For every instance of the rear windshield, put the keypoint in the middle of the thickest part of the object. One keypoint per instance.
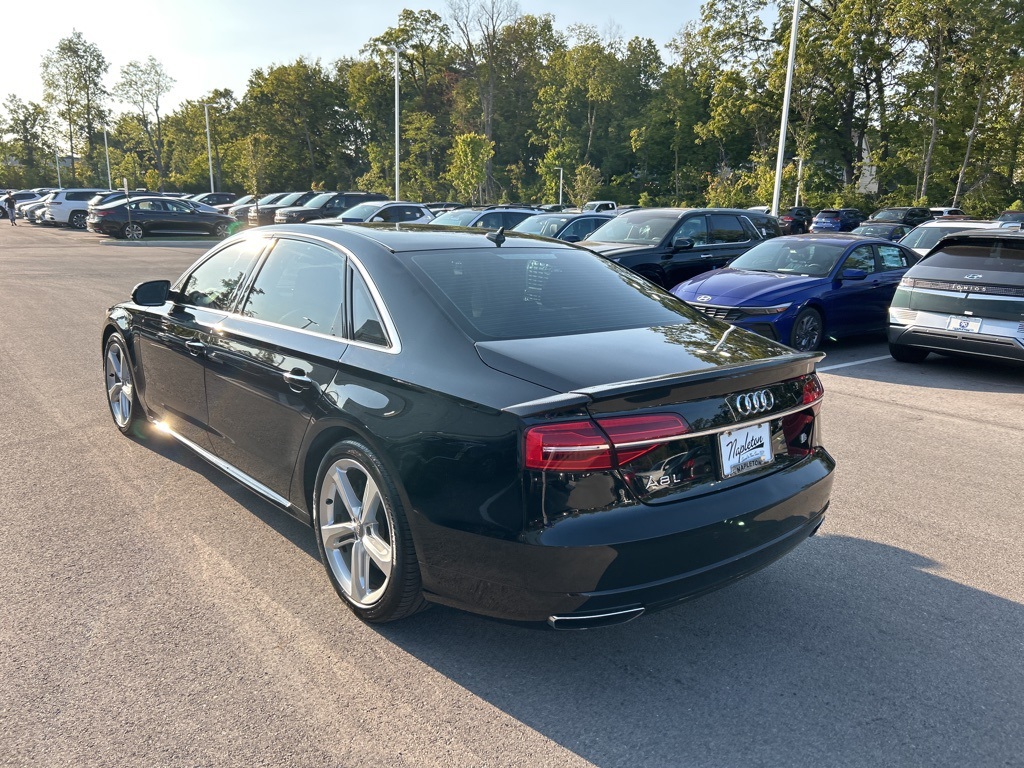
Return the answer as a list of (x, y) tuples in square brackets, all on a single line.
[(991, 256), (828, 214), (516, 294), (925, 238)]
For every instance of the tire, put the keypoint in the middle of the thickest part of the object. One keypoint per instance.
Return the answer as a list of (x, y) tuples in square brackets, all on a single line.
[(119, 383), (808, 331), (903, 354), (132, 231), (361, 528), (77, 220), (220, 230)]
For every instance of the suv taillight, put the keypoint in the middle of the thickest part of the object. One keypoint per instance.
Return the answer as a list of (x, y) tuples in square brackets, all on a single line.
[(604, 444)]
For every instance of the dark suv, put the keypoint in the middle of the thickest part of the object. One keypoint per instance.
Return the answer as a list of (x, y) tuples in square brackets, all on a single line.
[(324, 206), (264, 214), (796, 220), (669, 245), (909, 216), (966, 295), (837, 220)]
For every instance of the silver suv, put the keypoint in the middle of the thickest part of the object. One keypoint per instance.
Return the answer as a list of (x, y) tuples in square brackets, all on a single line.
[(491, 217)]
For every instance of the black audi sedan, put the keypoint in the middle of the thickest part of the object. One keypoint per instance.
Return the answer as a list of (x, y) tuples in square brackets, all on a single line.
[(143, 216), (506, 425)]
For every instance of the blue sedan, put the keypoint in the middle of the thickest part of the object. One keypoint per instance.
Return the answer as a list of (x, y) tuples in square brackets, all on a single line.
[(798, 289)]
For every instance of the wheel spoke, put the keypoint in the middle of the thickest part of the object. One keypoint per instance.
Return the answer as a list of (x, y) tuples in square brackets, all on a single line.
[(115, 392), (360, 570), (346, 493), (114, 363), (370, 503), (379, 552)]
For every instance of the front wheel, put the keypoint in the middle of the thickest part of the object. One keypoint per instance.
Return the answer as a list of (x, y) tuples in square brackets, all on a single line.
[(120, 384), (808, 330), (132, 231), (220, 230), (901, 353), (363, 535)]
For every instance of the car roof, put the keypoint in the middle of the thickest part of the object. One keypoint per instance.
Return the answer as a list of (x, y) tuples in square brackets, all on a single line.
[(999, 233), (957, 222), (399, 238), (835, 238)]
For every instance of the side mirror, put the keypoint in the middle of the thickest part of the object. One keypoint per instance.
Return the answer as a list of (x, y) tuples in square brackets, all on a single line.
[(377, 218), (153, 293), (853, 274), (682, 244)]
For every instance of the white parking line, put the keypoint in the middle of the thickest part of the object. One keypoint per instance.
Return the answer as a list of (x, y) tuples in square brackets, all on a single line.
[(855, 362)]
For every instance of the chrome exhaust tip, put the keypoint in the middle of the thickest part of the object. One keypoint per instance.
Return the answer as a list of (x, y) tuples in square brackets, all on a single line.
[(594, 620)]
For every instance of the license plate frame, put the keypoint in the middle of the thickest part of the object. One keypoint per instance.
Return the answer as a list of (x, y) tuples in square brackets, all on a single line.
[(745, 448), (963, 324)]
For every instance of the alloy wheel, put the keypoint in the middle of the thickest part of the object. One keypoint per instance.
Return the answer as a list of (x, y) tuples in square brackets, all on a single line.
[(807, 331), (133, 231), (119, 385), (356, 531)]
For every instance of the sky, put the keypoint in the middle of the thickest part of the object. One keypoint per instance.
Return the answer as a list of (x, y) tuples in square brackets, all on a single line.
[(208, 44)]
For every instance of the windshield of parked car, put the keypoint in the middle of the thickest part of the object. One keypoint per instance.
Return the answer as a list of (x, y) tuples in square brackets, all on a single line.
[(525, 293), (882, 230), (924, 238), (319, 200), (798, 257), (545, 225), (1011, 216), (995, 255), (458, 218), (640, 227), (289, 199), (362, 211), (268, 199), (889, 214)]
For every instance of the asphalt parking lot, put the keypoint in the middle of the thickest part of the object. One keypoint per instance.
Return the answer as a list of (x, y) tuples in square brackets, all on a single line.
[(155, 613)]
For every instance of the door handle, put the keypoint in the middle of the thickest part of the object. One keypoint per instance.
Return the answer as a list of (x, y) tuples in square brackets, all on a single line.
[(298, 380), (195, 348), (707, 255)]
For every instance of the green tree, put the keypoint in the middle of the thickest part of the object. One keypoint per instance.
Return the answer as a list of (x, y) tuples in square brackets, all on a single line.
[(142, 86), (467, 169)]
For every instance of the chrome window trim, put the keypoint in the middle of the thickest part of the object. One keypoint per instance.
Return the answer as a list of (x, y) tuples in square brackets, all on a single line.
[(395, 345)]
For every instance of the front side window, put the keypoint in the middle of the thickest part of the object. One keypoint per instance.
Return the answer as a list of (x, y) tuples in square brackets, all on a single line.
[(695, 228), (300, 285), (214, 283), (489, 221)]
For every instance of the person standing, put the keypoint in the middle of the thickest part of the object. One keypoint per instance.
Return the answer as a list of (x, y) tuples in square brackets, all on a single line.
[(11, 202)]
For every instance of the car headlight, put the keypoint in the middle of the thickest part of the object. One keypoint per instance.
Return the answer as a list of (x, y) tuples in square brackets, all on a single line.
[(778, 309)]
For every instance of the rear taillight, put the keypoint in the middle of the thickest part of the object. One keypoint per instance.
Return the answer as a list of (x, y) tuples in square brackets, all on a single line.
[(589, 446), (812, 389)]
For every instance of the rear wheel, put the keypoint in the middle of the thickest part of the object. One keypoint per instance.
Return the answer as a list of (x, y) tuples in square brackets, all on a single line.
[(904, 354), (220, 230), (363, 535), (77, 220), (132, 231), (808, 330)]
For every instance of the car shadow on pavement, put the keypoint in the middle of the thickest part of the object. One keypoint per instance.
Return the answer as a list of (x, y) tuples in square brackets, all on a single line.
[(847, 652), (960, 372)]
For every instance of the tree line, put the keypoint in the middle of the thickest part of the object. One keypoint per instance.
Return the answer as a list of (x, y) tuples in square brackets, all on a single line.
[(894, 102)]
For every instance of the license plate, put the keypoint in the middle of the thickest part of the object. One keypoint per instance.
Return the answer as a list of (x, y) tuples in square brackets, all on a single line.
[(745, 449), (964, 324)]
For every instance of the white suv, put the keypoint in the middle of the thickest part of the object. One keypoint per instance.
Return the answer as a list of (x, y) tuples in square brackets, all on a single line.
[(70, 206), (924, 236)]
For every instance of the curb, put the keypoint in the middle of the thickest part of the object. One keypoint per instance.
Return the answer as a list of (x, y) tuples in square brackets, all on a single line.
[(160, 243)]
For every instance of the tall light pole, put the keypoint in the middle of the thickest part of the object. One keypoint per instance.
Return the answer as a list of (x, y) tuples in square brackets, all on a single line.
[(106, 149), (397, 50), (559, 169), (209, 150), (785, 110)]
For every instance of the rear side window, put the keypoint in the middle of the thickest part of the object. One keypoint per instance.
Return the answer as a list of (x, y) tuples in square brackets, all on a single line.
[(510, 294), (301, 285), (366, 323), (991, 256), (727, 229), (892, 257)]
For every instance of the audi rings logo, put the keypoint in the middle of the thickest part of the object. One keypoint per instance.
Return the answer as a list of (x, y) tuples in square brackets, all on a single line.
[(750, 403)]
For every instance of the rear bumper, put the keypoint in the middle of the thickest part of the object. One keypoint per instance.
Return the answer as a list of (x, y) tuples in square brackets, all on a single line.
[(1001, 339), (703, 544)]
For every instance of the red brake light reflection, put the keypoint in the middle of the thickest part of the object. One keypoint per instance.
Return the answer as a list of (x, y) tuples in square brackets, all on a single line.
[(586, 446), (813, 390)]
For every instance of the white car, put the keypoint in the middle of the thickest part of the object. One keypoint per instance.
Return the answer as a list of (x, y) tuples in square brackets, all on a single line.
[(923, 237), (70, 206), (383, 210)]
